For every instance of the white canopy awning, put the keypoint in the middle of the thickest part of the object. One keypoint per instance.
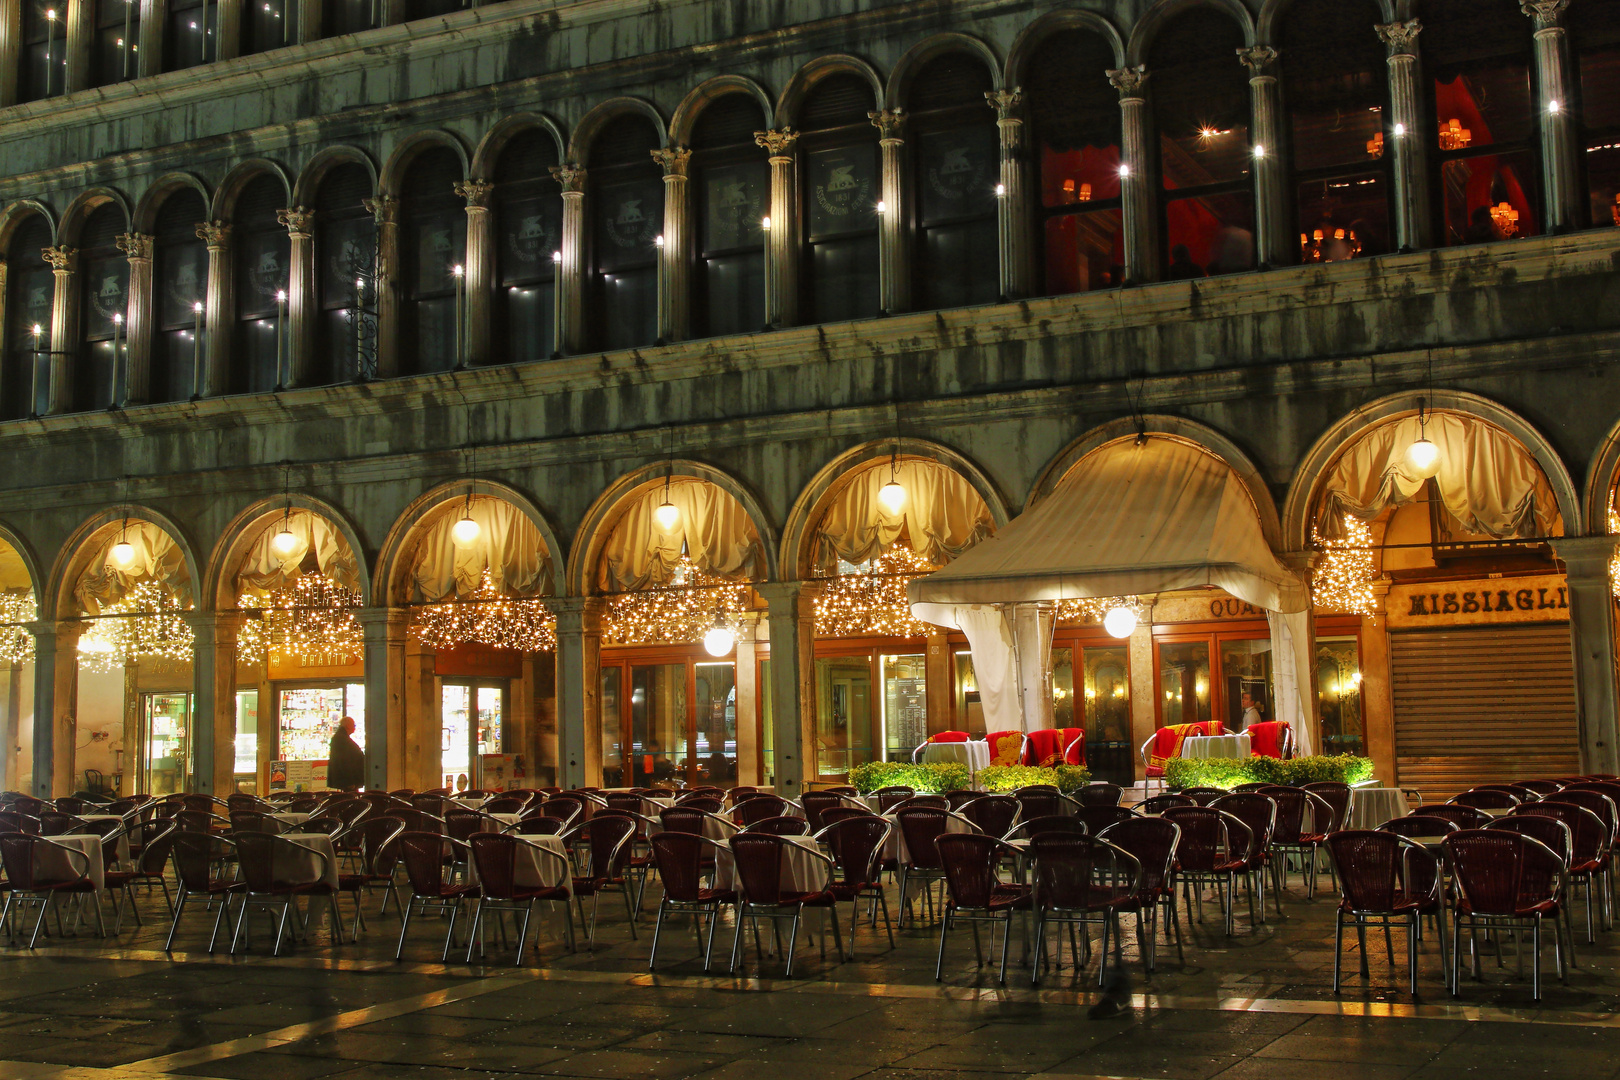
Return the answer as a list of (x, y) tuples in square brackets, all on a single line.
[(1128, 519)]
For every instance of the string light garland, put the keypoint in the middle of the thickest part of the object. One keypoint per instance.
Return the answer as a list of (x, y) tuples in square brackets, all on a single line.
[(1614, 563), (487, 618), (312, 621), (1342, 579), (872, 602), (16, 610), (1095, 609), (681, 612), (145, 624)]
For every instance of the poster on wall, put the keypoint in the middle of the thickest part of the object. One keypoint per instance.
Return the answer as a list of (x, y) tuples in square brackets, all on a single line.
[(502, 772), (298, 776)]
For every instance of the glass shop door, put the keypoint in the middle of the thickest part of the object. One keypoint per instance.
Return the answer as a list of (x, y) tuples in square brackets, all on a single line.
[(472, 716), (165, 743)]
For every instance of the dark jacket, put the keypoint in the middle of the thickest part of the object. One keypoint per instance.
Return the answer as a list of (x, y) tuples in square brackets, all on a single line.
[(345, 763)]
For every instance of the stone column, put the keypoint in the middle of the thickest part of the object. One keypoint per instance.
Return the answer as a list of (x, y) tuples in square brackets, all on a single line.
[(570, 276), (213, 709), (386, 737), (81, 37), (579, 689), (782, 241), (894, 245), (1377, 689), (1139, 217), (747, 687), (1591, 631), (1272, 234), (479, 279), (792, 614), (1015, 212), (674, 258), (1560, 162), (56, 670), (385, 210), (64, 324), (1407, 136), (228, 30), (219, 305), (154, 18), (137, 247), (10, 50), (303, 301)]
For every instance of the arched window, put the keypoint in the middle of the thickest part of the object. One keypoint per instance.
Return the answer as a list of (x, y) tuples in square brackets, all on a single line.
[(103, 305), (955, 163), (266, 25), (1200, 96), (528, 232), (193, 34), (842, 183), (262, 259), (118, 35), (432, 242), (30, 290), (627, 207), (1487, 176), (180, 281), (1074, 112), (44, 52), (1594, 29), (345, 257), (1335, 82), (731, 180), (349, 16)]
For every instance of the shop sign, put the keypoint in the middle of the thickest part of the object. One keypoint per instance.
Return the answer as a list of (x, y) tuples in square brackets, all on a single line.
[(1212, 605), (328, 666), (502, 772), (1543, 598), (298, 776), (479, 662)]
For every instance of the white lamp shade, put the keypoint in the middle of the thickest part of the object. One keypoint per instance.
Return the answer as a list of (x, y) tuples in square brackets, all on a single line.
[(1120, 622), (122, 553), (465, 531), (719, 640), (284, 542), (892, 497), (667, 516), (1423, 459)]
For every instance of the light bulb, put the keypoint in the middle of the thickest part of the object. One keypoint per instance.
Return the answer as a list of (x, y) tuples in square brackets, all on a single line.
[(892, 497), (1423, 458), (719, 640), (556, 256), (284, 542), (1124, 170), (882, 207), (1554, 107), (1001, 190), (668, 515), (1120, 622), (465, 531), (765, 223), (123, 553), (1400, 129)]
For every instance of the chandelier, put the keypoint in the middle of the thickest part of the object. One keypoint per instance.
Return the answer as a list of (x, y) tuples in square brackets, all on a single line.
[(487, 617), (311, 620), (681, 612), (146, 623), (1320, 245), (1505, 220), (1453, 136), (872, 602), (17, 609), (1342, 579)]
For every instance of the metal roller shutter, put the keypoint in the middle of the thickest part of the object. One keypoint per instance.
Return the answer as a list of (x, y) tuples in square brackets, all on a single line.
[(1476, 706)]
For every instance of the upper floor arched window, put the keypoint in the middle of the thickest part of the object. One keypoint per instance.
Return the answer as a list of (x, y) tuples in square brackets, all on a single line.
[(345, 259), (1200, 95), (731, 183), (44, 51), (266, 25), (103, 306), (116, 49), (1594, 30), (262, 259), (626, 202), (955, 165), (841, 187), (1074, 114), (1486, 179), (432, 244), (1335, 84), (30, 292), (180, 280), (528, 233), (193, 34)]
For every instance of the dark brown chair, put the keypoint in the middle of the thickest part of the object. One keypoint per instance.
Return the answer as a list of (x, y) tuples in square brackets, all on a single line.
[(66, 873), (264, 888), (1158, 804), (920, 826), (975, 892), (1384, 878), (255, 821), (378, 860), (1590, 853), (757, 858), (195, 855), (761, 806), (1213, 850), (1259, 813), (856, 842), (1099, 794), (681, 858), (1152, 843), (1080, 880), (814, 803), (495, 856), (1098, 818), (609, 837), (1466, 817), (423, 854), (992, 814), (1505, 880), (1486, 798), (150, 843)]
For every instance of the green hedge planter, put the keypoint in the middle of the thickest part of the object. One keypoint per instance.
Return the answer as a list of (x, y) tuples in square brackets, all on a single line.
[(1066, 778), (934, 779), (1228, 773)]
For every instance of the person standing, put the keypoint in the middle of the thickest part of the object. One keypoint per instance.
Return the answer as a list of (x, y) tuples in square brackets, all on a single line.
[(345, 761), (1251, 711)]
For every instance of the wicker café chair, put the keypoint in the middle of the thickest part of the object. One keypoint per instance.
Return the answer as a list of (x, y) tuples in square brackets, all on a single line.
[(1259, 813), (891, 797), (1589, 855), (760, 806), (423, 854), (495, 856), (609, 838), (27, 884), (1505, 880), (1213, 850), (1486, 798), (992, 815), (758, 858), (1100, 794), (1152, 842), (955, 800), (1098, 818), (975, 892), (255, 853), (1158, 804), (1042, 801), (682, 859), (1337, 795), (1081, 880), (1466, 817), (814, 803), (1384, 878), (920, 826), (1042, 826), (195, 855), (856, 842)]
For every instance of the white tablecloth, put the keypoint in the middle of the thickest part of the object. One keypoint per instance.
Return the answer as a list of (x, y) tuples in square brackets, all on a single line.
[(895, 848), (288, 817), (784, 810), (652, 804), (1216, 746), (498, 822), (300, 863), (1370, 807), (975, 753), (52, 864), (534, 869), (716, 827), (123, 838), (801, 871)]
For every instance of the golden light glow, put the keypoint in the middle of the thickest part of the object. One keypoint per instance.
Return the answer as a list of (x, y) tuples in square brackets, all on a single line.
[(16, 643), (487, 618), (284, 543), (682, 612), (146, 623), (122, 553), (872, 602), (1095, 609), (1343, 576), (1614, 563), (465, 531), (668, 515), (311, 620)]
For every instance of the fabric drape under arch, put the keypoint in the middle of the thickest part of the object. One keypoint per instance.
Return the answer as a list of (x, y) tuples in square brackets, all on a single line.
[(508, 545), (943, 516), (1489, 484), (157, 558), (714, 528), (265, 570)]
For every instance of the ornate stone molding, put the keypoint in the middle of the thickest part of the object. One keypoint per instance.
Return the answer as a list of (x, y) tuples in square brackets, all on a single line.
[(891, 124), (1006, 103), (384, 209), (213, 233), (777, 142), (1545, 12), (571, 176), (1400, 36), (1128, 80), (476, 192), (1257, 59), (135, 246), (61, 259), (673, 159), (299, 221)]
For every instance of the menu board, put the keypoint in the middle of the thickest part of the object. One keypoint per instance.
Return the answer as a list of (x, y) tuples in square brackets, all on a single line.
[(298, 775), (908, 712), (502, 772)]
